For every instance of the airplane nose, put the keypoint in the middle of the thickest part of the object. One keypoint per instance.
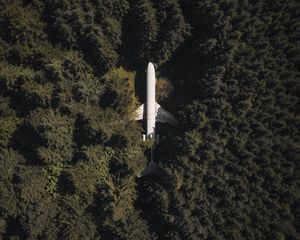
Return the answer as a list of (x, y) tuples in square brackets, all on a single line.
[(150, 65)]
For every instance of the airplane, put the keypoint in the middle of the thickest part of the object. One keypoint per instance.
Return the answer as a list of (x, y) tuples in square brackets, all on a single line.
[(151, 112)]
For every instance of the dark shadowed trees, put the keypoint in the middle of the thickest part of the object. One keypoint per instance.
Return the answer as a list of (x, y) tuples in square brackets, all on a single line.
[(70, 152)]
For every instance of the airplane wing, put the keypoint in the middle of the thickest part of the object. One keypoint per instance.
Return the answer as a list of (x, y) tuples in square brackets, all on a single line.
[(139, 113), (163, 116)]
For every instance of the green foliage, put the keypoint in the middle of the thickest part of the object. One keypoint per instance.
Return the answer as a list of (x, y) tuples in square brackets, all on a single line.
[(226, 169), (127, 75), (92, 27), (117, 94), (159, 30), (172, 31), (52, 173), (20, 24), (144, 35), (7, 127), (70, 152)]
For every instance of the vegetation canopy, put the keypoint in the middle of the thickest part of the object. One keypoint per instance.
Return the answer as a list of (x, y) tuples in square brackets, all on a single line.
[(70, 153)]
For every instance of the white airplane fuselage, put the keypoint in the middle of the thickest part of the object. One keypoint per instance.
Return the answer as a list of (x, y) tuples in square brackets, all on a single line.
[(150, 102), (151, 112)]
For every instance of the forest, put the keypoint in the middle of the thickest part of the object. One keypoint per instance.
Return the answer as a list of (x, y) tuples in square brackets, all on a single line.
[(71, 74)]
